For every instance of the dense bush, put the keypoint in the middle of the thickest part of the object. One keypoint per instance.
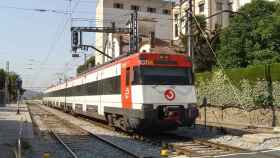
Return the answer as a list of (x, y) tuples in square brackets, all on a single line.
[(242, 88), (251, 73), (84, 67)]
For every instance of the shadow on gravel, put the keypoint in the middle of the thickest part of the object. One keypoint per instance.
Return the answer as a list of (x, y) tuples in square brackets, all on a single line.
[(9, 134), (13, 110), (199, 131)]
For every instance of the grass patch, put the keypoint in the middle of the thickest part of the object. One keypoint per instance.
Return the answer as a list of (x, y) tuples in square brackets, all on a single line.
[(252, 74)]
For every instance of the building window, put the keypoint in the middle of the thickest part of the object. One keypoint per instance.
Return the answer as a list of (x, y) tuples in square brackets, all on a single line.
[(176, 17), (230, 6), (219, 6), (176, 30), (118, 5), (135, 7), (166, 12), (151, 10), (201, 7), (220, 20)]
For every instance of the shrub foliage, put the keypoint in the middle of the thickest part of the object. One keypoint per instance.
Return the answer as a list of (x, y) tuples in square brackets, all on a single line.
[(244, 93)]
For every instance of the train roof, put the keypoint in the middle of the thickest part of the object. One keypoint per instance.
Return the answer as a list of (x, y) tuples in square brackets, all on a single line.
[(115, 61)]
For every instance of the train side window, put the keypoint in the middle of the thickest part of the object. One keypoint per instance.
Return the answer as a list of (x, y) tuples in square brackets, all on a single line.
[(127, 76)]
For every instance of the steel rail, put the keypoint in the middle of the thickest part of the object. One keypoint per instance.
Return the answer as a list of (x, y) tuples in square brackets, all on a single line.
[(190, 148), (73, 154), (116, 146), (99, 138), (220, 146)]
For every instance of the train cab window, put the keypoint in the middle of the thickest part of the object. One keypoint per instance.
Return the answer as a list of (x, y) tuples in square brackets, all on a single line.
[(162, 76), (136, 76)]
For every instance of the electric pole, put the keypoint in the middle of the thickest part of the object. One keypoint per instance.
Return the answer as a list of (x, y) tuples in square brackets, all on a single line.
[(189, 30), (133, 43), (65, 92), (7, 83), (85, 58)]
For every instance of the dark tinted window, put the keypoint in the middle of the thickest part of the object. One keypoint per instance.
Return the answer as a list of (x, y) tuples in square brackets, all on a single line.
[(107, 86), (151, 10), (135, 7), (201, 7), (166, 11), (163, 76), (118, 5)]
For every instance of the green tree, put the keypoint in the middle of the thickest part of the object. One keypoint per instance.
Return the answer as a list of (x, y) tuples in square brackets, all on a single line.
[(12, 86), (252, 37), (2, 78), (203, 58), (84, 67)]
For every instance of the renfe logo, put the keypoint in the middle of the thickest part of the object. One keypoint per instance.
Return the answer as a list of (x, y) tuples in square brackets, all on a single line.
[(169, 94)]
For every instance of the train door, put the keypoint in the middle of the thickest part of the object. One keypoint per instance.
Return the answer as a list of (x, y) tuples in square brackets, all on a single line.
[(100, 93), (126, 86)]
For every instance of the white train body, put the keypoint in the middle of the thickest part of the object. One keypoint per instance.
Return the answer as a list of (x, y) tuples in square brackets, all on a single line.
[(131, 93)]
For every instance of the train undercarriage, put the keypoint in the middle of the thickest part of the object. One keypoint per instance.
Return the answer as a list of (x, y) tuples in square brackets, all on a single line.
[(148, 120)]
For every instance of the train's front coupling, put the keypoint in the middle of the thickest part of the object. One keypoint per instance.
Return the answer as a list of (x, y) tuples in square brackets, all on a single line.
[(178, 114)]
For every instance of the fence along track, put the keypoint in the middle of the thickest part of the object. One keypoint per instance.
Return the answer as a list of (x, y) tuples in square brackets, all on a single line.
[(75, 143)]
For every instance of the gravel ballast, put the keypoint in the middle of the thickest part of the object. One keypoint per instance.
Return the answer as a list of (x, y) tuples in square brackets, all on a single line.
[(138, 147), (248, 141)]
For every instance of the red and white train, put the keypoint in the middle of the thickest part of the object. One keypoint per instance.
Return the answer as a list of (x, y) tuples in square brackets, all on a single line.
[(140, 92)]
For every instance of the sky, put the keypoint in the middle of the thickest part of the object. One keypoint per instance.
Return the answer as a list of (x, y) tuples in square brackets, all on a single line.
[(36, 43)]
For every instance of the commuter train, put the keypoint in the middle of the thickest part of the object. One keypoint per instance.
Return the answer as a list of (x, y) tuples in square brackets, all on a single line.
[(138, 93)]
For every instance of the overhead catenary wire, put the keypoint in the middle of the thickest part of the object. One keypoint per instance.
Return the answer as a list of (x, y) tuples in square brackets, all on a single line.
[(114, 19), (53, 44), (42, 10), (215, 55)]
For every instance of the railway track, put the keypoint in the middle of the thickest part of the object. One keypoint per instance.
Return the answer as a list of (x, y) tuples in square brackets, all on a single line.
[(178, 145), (194, 147), (76, 141), (181, 145)]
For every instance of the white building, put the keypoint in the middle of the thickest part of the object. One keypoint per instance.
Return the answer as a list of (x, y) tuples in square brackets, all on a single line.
[(154, 18), (206, 8), (201, 7), (239, 3)]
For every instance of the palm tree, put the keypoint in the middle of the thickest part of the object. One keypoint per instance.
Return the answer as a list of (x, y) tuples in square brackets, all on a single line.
[(203, 59)]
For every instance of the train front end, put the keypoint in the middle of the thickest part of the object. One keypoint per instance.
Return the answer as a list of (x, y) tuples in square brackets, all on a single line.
[(162, 88)]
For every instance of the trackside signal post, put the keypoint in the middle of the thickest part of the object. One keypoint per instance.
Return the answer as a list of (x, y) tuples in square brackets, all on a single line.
[(19, 89), (77, 35)]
